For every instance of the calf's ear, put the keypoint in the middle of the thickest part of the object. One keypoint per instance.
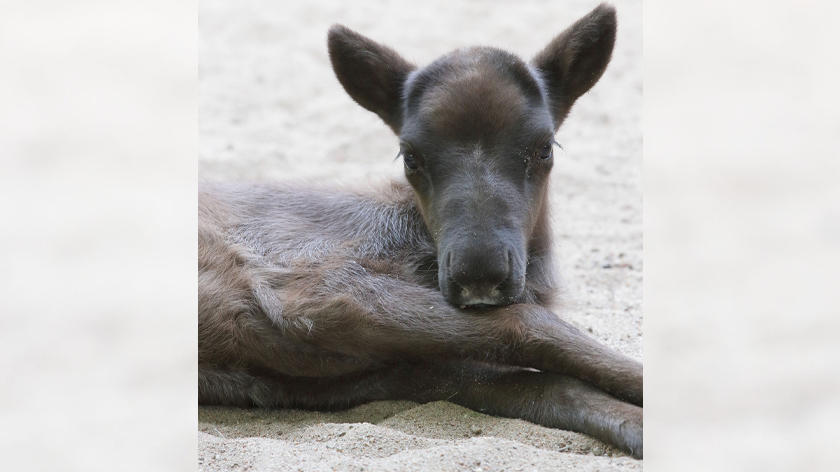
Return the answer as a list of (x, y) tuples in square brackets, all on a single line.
[(371, 73), (574, 60)]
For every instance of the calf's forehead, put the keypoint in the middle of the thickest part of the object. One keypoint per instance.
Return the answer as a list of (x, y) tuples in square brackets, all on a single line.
[(477, 94)]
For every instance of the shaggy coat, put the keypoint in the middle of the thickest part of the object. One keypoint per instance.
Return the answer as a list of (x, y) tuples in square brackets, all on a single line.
[(435, 288)]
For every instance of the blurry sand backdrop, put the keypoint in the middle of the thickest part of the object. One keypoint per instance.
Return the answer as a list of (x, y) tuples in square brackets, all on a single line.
[(270, 108)]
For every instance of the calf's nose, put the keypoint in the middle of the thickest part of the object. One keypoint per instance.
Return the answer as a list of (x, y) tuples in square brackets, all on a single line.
[(479, 271)]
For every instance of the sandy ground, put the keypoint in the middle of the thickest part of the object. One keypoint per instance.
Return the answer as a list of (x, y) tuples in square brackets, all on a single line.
[(270, 108)]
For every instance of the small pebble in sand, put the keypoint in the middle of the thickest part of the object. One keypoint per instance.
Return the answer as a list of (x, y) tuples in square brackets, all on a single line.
[(475, 429)]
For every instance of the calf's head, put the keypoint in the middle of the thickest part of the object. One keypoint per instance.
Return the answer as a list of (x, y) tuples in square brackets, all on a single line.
[(476, 130)]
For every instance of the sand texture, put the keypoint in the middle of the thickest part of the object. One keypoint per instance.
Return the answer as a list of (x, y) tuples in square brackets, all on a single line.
[(270, 108)]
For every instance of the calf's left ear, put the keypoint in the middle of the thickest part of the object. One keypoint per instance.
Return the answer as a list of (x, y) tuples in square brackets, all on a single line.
[(574, 60)]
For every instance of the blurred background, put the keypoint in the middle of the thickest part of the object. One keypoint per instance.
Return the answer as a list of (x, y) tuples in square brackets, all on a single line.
[(97, 236), (742, 235), (98, 105)]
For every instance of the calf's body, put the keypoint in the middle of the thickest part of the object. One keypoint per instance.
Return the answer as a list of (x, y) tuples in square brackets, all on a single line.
[(437, 288)]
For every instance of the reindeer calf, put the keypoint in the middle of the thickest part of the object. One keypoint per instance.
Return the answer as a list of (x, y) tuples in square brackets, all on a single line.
[(431, 289)]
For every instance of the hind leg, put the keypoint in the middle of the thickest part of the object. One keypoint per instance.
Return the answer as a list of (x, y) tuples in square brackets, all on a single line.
[(544, 398), (547, 399), (244, 388)]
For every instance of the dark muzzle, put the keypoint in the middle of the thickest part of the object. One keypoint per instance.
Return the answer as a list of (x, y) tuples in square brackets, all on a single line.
[(476, 273)]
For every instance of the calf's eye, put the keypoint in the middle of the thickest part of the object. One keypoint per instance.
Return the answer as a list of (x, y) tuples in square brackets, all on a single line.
[(409, 161), (545, 152)]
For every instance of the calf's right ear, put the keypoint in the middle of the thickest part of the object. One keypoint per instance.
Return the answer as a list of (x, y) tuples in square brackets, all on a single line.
[(371, 73), (574, 61)]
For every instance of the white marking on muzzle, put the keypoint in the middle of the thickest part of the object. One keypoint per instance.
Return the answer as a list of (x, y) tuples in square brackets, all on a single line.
[(488, 299)]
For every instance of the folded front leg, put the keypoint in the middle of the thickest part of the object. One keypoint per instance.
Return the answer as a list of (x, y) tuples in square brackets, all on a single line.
[(372, 318)]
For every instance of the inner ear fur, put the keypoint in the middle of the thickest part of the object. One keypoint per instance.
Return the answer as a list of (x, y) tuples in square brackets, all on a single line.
[(576, 58), (371, 73)]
